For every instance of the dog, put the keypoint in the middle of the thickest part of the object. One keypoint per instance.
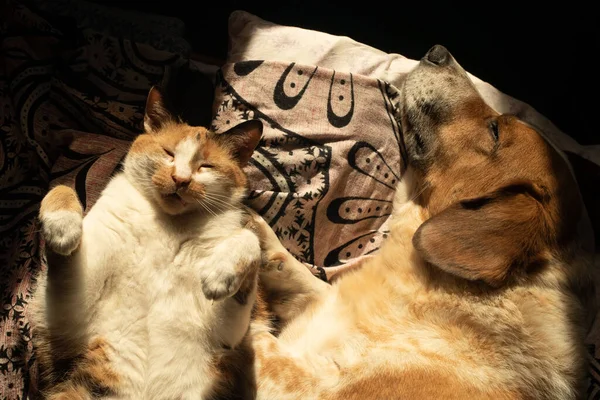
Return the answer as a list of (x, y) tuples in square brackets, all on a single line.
[(482, 290)]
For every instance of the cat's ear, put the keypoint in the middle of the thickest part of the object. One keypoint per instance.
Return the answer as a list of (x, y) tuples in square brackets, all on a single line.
[(157, 114), (243, 139)]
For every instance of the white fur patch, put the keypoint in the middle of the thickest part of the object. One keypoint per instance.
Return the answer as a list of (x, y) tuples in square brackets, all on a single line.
[(62, 230), (184, 154), (219, 273)]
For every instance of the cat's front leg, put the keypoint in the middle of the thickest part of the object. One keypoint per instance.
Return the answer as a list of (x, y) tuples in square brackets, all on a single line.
[(232, 262), (61, 216)]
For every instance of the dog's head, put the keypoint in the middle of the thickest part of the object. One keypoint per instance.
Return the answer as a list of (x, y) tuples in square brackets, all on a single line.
[(499, 199)]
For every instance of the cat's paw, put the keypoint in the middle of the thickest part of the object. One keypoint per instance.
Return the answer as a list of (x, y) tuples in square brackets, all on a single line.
[(220, 280), (62, 231), (61, 217), (231, 262)]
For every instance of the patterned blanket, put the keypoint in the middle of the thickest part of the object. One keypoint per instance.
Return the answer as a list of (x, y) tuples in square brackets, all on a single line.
[(73, 81)]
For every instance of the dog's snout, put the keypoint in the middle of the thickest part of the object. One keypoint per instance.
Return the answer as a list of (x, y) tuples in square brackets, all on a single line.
[(438, 55)]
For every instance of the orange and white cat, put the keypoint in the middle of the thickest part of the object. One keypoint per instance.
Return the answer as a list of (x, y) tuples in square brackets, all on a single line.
[(145, 295)]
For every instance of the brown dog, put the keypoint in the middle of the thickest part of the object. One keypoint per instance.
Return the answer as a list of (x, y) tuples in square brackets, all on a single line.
[(481, 290)]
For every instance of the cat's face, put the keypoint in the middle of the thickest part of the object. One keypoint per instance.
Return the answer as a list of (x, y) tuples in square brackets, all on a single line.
[(184, 168)]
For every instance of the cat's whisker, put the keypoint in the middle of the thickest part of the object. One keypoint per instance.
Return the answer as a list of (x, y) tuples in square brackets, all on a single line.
[(215, 206), (420, 192), (206, 208), (219, 196), (226, 204), (219, 209), (217, 202), (223, 195)]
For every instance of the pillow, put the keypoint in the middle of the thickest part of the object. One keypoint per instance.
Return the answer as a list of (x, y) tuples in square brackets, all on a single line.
[(252, 38), (326, 169)]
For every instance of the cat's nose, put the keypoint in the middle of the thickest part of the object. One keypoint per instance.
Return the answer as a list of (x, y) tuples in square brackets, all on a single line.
[(181, 180)]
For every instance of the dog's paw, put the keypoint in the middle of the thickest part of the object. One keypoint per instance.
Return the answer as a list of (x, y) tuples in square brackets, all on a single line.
[(62, 231), (220, 279)]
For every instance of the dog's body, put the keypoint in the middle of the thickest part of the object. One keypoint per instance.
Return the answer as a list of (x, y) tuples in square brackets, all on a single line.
[(480, 290)]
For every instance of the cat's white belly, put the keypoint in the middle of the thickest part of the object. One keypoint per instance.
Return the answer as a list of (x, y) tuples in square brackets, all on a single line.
[(152, 312), (157, 327)]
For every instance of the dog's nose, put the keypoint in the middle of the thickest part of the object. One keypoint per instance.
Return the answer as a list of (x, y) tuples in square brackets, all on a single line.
[(438, 55)]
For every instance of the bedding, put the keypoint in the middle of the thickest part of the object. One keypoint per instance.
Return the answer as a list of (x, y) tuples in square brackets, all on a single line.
[(73, 81)]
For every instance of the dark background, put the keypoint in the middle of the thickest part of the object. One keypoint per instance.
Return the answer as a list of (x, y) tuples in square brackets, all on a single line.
[(545, 55)]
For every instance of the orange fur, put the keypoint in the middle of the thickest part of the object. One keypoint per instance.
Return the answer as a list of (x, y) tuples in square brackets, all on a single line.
[(415, 383), (92, 375), (60, 198)]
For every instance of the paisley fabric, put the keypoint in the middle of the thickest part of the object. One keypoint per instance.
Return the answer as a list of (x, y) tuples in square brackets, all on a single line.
[(325, 173)]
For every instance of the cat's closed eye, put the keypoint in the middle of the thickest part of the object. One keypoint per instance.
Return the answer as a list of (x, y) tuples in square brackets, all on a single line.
[(205, 166), (169, 153)]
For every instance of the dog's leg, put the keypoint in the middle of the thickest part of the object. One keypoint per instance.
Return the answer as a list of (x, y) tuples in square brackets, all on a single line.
[(289, 286)]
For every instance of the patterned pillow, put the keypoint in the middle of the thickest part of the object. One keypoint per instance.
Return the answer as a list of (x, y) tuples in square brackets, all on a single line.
[(325, 173)]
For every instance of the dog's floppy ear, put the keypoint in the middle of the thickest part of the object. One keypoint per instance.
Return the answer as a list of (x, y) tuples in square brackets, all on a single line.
[(485, 238)]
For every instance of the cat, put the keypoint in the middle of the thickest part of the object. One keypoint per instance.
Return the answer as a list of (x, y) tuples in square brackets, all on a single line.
[(145, 296)]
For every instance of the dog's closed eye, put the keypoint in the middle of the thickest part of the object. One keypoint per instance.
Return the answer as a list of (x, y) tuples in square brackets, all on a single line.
[(494, 130)]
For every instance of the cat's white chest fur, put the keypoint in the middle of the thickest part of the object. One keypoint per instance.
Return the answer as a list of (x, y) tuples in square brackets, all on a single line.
[(143, 278)]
